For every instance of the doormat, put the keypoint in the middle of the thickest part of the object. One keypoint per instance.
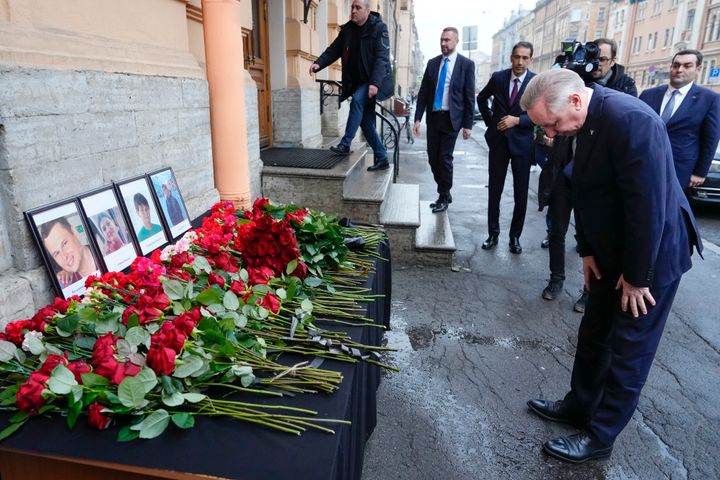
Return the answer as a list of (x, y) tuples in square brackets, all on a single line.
[(300, 158)]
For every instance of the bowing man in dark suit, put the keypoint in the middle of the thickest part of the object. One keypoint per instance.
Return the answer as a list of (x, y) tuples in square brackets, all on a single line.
[(509, 135), (447, 95), (692, 118), (635, 235)]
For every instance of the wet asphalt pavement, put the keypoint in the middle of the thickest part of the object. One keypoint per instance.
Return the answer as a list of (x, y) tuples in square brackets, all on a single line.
[(475, 344)]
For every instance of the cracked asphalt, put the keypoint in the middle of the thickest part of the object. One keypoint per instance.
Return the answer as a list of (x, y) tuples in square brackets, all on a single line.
[(475, 344)]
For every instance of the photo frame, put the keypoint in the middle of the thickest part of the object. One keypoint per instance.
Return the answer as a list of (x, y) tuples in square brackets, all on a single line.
[(168, 197), (61, 233), (109, 228), (147, 225)]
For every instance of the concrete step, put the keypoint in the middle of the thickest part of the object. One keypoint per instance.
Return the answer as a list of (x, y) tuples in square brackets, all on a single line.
[(364, 192), (319, 189), (434, 242), (400, 215)]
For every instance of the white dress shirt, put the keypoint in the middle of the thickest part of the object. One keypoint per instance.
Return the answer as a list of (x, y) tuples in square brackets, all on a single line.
[(682, 93), (512, 83), (446, 88)]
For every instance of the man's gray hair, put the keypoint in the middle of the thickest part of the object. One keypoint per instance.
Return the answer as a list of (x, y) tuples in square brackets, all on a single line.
[(554, 87)]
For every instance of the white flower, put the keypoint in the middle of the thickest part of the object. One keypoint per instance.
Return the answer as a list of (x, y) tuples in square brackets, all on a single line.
[(167, 252), (33, 343)]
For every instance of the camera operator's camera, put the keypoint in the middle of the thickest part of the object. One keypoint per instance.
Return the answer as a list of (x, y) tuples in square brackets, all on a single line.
[(580, 58)]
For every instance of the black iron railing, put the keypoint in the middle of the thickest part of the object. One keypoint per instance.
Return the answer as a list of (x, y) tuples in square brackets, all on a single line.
[(389, 123)]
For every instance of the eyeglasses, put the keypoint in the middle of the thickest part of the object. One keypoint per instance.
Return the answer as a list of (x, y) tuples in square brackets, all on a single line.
[(604, 59)]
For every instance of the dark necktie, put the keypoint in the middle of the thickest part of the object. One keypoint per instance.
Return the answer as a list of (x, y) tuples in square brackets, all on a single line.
[(513, 94), (667, 113), (440, 89)]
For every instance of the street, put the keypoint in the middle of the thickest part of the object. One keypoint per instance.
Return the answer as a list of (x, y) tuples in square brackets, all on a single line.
[(477, 341)]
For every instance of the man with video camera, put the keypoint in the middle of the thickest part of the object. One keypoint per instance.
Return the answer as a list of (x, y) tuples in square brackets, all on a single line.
[(609, 73)]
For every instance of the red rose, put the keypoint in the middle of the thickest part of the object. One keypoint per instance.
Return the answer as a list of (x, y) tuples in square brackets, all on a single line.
[(96, 418), (300, 271), (78, 368), (122, 370), (161, 359), (215, 279), (187, 321), (104, 347), (259, 275), (29, 396), (51, 362), (106, 367), (238, 287), (271, 302), (170, 337)]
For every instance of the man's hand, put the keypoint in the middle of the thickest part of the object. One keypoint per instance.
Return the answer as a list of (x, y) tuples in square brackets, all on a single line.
[(507, 122), (416, 128), (634, 297), (372, 91), (467, 132), (590, 268), (314, 68), (696, 181)]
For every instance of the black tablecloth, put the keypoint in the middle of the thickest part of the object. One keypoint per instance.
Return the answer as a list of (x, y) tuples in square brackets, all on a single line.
[(238, 450)]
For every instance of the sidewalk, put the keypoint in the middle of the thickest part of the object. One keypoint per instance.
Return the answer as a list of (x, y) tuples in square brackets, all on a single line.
[(475, 344)]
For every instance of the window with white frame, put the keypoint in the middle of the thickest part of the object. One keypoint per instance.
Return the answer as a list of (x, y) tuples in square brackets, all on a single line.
[(667, 38)]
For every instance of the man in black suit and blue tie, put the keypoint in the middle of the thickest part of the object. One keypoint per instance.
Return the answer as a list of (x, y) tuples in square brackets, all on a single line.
[(509, 135), (446, 94), (692, 116), (635, 235)]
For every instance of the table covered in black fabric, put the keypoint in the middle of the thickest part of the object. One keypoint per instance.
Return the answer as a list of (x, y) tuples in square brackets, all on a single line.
[(231, 449)]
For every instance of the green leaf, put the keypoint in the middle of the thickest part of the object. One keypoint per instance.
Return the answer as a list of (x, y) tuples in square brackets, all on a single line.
[(7, 351), (244, 275), (312, 282), (201, 264), (311, 249), (281, 293), (86, 343), (148, 378), (178, 308), (61, 380), (247, 380), (261, 288), (174, 289), (138, 336), (73, 412), (167, 385), (291, 266), (183, 420), (210, 296), (190, 365), (131, 392), (87, 314), (153, 425), (133, 321), (69, 323), (35, 344), (76, 392), (306, 305), (193, 397), (12, 428), (126, 434), (106, 325), (94, 380), (19, 417), (173, 400), (230, 300)]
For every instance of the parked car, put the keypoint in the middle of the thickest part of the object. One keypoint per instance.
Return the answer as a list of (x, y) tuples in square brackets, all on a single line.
[(709, 191)]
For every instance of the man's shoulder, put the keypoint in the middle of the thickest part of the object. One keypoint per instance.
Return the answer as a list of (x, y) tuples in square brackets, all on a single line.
[(704, 91), (653, 90)]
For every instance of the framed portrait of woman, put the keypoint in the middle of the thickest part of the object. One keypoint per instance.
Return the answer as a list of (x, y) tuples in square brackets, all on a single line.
[(172, 206), (62, 236), (108, 228), (140, 208)]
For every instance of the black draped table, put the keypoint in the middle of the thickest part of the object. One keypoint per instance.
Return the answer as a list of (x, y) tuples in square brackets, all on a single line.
[(44, 449)]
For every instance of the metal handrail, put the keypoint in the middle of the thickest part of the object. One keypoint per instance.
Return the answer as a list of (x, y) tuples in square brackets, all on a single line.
[(329, 88)]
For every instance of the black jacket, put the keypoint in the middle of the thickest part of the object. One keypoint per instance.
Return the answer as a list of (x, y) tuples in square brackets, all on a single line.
[(374, 56), (621, 82), (557, 159)]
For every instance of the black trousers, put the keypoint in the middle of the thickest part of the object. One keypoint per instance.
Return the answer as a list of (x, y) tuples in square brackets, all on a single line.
[(613, 358), (499, 159), (559, 209), (441, 138)]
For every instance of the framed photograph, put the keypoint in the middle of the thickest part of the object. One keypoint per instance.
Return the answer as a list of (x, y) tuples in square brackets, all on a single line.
[(142, 211), (170, 200), (61, 233), (108, 228)]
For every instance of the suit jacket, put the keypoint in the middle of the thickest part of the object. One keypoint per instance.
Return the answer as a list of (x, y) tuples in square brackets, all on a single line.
[(520, 138), (631, 213), (462, 91), (694, 129)]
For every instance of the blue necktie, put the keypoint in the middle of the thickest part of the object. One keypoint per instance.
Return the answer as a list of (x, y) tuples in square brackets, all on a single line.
[(667, 113), (437, 104)]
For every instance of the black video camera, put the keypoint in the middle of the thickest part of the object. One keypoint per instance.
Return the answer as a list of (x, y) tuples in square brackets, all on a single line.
[(580, 58)]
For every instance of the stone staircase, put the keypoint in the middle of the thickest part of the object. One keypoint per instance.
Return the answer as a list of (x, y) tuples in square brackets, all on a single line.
[(417, 236)]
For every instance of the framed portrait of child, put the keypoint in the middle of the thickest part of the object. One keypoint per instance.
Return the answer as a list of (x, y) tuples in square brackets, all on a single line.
[(139, 205), (62, 236), (109, 229), (172, 206)]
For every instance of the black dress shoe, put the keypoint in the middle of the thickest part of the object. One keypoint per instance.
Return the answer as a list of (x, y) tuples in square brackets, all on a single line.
[(491, 241), (378, 166), (515, 246), (442, 198), (554, 411), (340, 149), (577, 448), (553, 289), (545, 243), (440, 207)]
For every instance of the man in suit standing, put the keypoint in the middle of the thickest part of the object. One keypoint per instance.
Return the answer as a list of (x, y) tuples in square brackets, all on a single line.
[(446, 94), (692, 117), (509, 135), (635, 235)]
